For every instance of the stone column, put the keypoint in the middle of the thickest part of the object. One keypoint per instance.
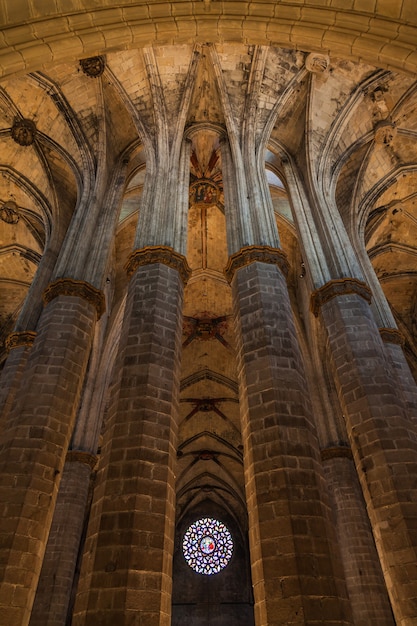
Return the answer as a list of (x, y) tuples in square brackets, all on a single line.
[(382, 436), (18, 345), (296, 572), (394, 342), (53, 596), (365, 583), (126, 573), (364, 579), (34, 445), (20, 341)]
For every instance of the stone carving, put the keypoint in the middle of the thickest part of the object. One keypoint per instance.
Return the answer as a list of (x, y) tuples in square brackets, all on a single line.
[(384, 132), (80, 456), (317, 63), (93, 66), (380, 110), (336, 452), (159, 254), (338, 287), (253, 254), (206, 405), (79, 288), (23, 132), (205, 328), (23, 338), (9, 213), (392, 335)]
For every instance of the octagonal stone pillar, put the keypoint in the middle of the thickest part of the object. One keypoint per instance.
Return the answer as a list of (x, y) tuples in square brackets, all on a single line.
[(296, 571), (35, 440), (382, 435), (126, 573)]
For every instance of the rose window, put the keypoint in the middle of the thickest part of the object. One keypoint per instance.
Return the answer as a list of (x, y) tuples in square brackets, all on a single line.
[(207, 546)]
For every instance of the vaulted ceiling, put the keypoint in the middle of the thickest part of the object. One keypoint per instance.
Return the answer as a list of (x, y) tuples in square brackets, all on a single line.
[(351, 128)]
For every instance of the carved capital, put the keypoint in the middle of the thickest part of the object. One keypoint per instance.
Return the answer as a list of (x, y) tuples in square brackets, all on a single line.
[(338, 287), (392, 335), (252, 254), (159, 254), (79, 288), (23, 338), (80, 456), (336, 452)]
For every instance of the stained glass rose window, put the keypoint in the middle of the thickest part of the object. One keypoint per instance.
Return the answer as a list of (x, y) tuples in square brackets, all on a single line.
[(207, 546)]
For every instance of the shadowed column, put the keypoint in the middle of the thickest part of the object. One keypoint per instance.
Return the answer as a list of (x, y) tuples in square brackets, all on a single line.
[(126, 575), (295, 573), (364, 579), (33, 447), (383, 438), (55, 588), (19, 346)]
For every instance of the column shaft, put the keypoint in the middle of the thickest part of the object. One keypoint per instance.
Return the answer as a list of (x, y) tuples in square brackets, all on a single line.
[(10, 380), (384, 444), (53, 596), (365, 583), (33, 448), (295, 573), (126, 576), (403, 377)]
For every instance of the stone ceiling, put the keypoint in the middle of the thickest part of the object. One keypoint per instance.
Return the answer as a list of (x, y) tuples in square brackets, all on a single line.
[(351, 127)]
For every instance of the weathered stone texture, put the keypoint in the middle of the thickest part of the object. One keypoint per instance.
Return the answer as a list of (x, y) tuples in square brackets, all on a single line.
[(220, 95), (53, 597), (366, 587), (295, 572), (384, 444), (10, 380), (32, 450), (127, 563), (403, 378)]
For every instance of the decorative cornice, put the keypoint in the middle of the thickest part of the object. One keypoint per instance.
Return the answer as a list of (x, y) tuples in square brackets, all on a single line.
[(159, 254), (80, 456), (336, 452), (392, 335), (252, 254), (23, 338), (79, 288), (338, 287)]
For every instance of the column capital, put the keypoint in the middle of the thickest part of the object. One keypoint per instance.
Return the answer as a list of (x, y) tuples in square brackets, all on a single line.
[(158, 254), (338, 287), (392, 335), (18, 339), (336, 452), (79, 288), (80, 456), (252, 254)]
